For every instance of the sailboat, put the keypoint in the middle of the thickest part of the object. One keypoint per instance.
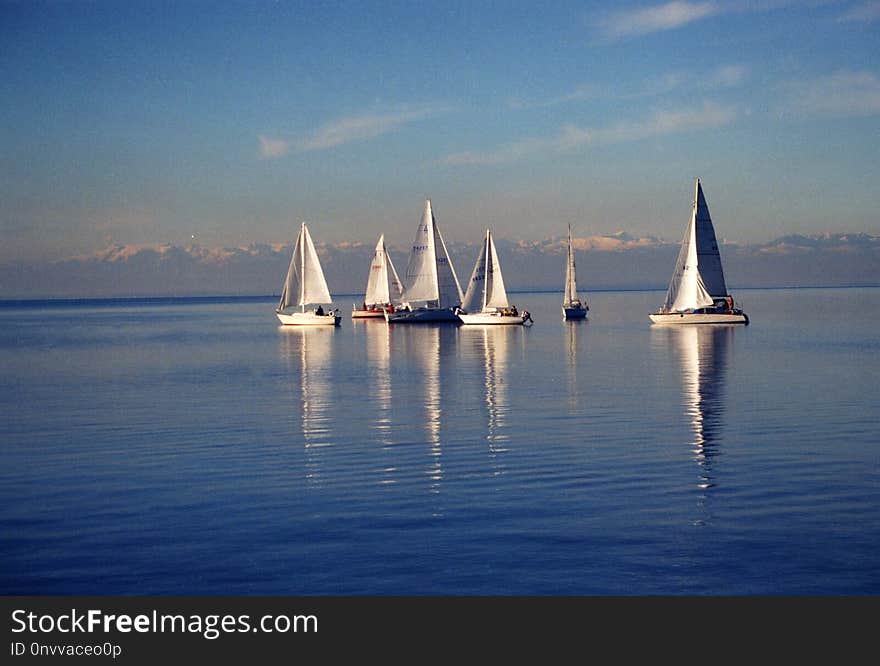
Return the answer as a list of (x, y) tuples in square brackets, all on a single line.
[(384, 288), (697, 292), (432, 291), (305, 285), (486, 299), (572, 306)]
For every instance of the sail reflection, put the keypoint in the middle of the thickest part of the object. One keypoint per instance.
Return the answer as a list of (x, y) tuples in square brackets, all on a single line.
[(494, 345), (423, 345), (378, 344), (704, 351), (574, 329), (307, 350)]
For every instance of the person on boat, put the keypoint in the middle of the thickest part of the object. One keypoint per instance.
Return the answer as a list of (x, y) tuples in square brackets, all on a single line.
[(319, 311), (730, 303)]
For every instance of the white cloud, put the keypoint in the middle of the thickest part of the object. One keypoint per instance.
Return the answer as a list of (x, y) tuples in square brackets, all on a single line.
[(864, 12), (842, 94), (362, 127), (642, 21), (572, 137), (271, 148)]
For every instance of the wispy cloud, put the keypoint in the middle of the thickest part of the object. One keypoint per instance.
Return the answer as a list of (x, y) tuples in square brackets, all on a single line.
[(572, 137), (272, 148), (864, 12), (345, 130), (723, 76), (645, 20), (842, 94), (362, 127)]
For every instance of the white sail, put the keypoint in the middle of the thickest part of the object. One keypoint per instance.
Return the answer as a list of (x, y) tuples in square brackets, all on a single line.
[(571, 295), (430, 275), (687, 291), (305, 283), (486, 287), (708, 256), (383, 284)]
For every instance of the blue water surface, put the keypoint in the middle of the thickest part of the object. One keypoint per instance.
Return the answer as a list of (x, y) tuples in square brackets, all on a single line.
[(180, 446)]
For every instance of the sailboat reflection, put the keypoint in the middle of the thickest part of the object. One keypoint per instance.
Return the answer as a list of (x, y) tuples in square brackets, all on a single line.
[(574, 329), (424, 344), (494, 345), (704, 351), (379, 386), (307, 351)]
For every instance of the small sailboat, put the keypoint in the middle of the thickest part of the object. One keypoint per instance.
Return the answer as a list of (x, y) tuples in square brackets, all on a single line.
[(697, 292), (572, 306), (305, 285), (486, 299), (384, 288), (432, 291)]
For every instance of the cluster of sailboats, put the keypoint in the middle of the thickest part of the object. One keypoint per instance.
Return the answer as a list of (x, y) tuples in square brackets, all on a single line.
[(431, 291)]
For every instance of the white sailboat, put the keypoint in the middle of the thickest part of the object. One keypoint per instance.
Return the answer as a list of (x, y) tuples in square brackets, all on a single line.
[(305, 285), (486, 299), (432, 291), (697, 292), (384, 288), (572, 306)]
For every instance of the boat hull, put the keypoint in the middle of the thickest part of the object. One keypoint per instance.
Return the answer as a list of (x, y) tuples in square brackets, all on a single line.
[(423, 316), (691, 318), (489, 318), (368, 314), (574, 313), (308, 319)]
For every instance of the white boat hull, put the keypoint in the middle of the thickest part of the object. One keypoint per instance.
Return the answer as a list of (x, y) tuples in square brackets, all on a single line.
[(493, 318), (308, 319), (574, 313), (422, 315), (691, 318)]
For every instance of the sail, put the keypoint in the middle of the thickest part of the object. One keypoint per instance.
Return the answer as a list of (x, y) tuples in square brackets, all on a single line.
[(395, 286), (570, 278), (305, 281), (708, 257), (686, 289), (421, 271), (486, 286), (430, 275), (447, 281), (473, 298), (377, 283), (496, 294)]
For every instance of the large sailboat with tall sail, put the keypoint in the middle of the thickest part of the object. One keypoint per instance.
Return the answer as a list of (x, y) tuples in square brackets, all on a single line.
[(572, 305), (485, 301), (305, 286), (432, 291), (384, 288), (697, 292)]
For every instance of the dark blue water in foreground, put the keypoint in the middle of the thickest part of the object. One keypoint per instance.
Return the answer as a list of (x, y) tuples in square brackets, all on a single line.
[(194, 447)]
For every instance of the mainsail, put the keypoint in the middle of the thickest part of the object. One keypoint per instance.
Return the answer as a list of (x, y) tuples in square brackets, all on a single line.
[(383, 285), (486, 287), (305, 281), (698, 275), (430, 276), (571, 295)]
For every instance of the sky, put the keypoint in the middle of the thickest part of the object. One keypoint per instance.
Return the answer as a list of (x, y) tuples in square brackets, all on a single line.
[(227, 123)]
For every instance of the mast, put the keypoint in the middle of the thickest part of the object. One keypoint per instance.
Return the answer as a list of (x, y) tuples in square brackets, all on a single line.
[(488, 270), (302, 269)]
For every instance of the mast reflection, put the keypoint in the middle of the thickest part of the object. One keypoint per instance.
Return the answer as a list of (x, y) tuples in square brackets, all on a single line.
[(307, 350)]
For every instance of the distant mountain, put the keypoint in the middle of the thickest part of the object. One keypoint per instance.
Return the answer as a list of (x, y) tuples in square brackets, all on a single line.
[(618, 260)]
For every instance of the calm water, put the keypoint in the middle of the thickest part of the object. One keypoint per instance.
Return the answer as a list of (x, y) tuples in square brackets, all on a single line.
[(196, 448)]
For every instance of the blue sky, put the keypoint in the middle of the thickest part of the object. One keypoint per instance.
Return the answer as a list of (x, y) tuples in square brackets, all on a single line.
[(230, 122)]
